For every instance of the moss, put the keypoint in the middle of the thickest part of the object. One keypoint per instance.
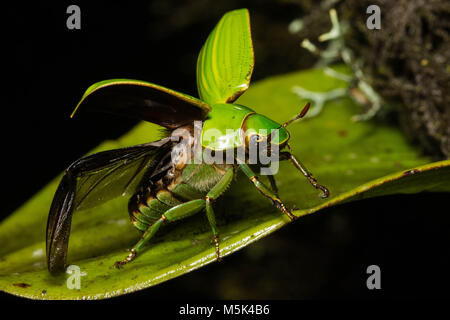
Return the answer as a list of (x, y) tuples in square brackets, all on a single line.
[(408, 60)]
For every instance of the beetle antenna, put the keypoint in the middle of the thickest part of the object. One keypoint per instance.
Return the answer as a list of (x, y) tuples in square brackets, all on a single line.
[(299, 116)]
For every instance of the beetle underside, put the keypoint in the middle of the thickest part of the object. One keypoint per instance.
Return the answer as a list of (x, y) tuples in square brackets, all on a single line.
[(175, 180)]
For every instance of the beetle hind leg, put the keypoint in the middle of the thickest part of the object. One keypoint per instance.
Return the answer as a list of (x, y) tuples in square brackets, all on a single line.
[(148, 234), (212, 195), (129, 258), (178, 212), (182, 211)]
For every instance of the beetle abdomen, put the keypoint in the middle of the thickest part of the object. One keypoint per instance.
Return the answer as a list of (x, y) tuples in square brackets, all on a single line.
[(145, 207), (176, 187), (203, 177)]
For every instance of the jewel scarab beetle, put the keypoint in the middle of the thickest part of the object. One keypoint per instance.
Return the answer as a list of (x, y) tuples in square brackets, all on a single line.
[(164, 183)]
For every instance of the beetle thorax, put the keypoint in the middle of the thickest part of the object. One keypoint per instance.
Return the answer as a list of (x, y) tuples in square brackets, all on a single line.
[(182, 151)]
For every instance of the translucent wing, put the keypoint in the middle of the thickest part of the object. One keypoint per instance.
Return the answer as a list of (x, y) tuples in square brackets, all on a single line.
[(93, 180), (119, 176), (144, 101), (225, 62)]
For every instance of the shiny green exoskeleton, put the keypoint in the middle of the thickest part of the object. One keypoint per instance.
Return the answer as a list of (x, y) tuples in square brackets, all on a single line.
[(164, 180)]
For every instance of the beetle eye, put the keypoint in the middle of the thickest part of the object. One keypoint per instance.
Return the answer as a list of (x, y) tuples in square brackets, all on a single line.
[(255, 138)]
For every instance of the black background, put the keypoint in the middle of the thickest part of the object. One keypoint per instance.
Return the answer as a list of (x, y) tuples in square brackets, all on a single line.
[(47, 68)]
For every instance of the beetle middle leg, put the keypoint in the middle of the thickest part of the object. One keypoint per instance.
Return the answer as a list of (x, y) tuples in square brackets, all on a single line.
[(266, 191), (212, 195)]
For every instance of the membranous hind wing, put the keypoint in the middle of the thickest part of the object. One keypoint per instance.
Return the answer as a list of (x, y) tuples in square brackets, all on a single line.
[(144, 101), (93, 180)]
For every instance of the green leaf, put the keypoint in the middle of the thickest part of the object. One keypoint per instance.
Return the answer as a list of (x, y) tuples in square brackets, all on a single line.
[(355, 160), (225, 62)]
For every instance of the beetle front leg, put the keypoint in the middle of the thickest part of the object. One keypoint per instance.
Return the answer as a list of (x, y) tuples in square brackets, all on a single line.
[(266, 191), (305, 172)]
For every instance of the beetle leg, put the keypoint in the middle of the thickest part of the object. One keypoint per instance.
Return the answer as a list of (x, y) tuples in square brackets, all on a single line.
[(148, 234), (182, 211), (178, 212), (306, 173), (266, 191), (272, 181), (273, 184), (235, 171), (212, 223), (212, 195), (129, 258)]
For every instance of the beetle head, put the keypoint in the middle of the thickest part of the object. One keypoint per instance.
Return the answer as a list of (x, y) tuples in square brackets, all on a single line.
[(259, 129)]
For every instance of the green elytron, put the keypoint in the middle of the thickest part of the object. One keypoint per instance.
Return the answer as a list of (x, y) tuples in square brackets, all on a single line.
[(164, 182)]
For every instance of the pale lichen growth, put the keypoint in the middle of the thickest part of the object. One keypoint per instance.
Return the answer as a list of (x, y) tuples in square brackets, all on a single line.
[(337, 51)]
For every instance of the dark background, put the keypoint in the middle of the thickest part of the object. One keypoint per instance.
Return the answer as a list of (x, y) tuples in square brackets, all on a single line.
[(48, 67)]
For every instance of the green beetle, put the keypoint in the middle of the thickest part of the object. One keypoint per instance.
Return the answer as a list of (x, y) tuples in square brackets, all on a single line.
[(162, 178)]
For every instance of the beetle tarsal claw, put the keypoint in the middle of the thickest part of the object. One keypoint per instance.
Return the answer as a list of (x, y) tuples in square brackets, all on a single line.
[(280, 205), (129, 258), (325, 192)]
